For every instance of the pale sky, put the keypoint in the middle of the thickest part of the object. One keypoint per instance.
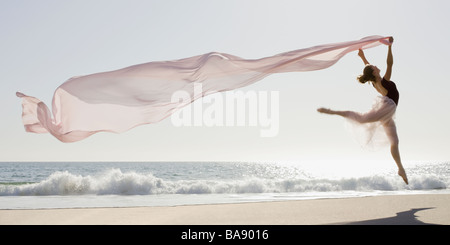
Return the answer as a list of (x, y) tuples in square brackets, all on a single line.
[(43, 43)]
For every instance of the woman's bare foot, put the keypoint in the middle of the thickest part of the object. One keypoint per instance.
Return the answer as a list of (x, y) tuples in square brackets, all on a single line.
[(325, 110), (402, 174)]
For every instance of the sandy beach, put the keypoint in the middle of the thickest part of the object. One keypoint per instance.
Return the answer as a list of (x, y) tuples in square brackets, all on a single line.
[(379, 210)]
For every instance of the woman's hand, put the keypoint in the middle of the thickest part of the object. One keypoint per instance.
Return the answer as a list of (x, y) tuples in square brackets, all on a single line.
[(363, 57), (361, 53)]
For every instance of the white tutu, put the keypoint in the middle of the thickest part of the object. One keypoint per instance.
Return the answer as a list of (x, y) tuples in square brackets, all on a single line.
[(376, 127)]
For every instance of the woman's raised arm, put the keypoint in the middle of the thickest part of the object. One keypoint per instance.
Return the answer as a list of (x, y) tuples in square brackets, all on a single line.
[(363, 57), (389, 61)]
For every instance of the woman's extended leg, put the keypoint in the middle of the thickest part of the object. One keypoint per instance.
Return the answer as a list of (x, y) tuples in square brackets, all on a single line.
[(372, 116), (391, 132), (389, 127)]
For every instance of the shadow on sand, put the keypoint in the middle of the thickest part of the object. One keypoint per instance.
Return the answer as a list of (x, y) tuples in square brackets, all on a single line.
[(402, 218)]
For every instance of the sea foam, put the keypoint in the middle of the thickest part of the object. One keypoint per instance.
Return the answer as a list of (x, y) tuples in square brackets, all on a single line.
[(116, 182)]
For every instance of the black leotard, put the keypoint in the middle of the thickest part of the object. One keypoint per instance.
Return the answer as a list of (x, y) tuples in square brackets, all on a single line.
[(392, 90)]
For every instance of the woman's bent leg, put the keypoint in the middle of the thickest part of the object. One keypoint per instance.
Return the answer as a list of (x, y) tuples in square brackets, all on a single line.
[(391, 132)]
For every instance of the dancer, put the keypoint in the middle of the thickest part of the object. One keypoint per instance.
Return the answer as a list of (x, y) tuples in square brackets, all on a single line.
[(384, 109)]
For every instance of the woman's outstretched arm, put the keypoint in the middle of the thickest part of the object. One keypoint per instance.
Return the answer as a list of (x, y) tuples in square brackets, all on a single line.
[(389, 61), (363, 57)]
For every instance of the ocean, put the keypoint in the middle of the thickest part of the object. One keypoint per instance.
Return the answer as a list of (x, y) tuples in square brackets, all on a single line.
[(37, 185)]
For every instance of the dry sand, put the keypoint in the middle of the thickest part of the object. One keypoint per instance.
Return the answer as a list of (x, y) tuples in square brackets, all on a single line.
[(383, 210)]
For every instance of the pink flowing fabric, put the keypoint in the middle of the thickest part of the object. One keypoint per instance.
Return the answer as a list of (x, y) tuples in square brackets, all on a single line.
[(119, 100)]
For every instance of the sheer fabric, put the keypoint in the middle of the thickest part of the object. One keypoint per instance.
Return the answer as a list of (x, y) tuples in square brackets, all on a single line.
[(376, 127), (119, 100)]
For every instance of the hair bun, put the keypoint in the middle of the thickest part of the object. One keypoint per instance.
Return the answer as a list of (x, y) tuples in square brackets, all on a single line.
[(362, 78), (367, 75)]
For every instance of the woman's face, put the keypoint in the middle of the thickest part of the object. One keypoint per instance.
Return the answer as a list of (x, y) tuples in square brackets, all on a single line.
[(376, 71)]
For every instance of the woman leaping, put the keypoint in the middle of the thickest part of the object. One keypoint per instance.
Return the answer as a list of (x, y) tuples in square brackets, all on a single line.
[(385, 110)]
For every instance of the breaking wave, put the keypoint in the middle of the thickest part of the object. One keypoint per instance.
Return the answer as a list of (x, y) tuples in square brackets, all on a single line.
[(116, 182)]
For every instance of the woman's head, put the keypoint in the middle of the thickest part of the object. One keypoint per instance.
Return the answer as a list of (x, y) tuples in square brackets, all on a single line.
[(370, 73)]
